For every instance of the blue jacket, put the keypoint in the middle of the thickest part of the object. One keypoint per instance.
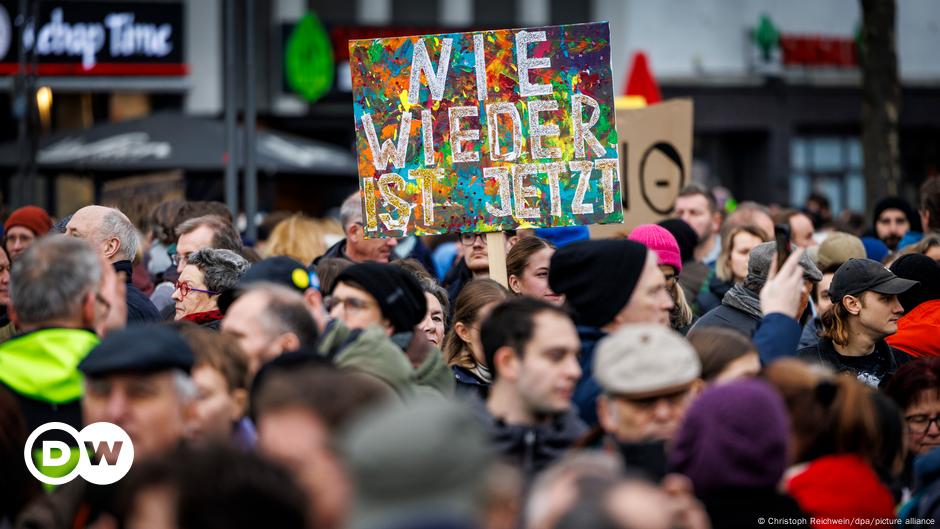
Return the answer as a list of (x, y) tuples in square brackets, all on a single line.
[(926, 500), (587, 390), (777, 336)]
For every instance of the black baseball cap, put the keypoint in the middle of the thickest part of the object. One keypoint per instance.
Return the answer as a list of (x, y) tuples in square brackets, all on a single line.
[(859, 275)]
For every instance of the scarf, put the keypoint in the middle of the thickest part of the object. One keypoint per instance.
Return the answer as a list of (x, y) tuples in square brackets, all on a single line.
[(201, 318), (481, 372), (744, 300)]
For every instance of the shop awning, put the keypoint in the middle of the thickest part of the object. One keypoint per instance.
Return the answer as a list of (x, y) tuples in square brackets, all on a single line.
[(175, 141)]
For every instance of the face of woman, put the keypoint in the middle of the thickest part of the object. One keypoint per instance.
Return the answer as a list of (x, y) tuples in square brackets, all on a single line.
[(194, 301), (741, 247), (4, 279), (433, 324), (476, 346), (922, 419), (534, 279)]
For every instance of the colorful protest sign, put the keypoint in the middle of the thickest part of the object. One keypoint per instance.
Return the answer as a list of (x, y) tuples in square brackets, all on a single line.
[(486, 131), (656, 163)]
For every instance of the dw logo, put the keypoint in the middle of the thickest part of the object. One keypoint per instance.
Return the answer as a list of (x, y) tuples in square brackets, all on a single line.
[(105, 454)]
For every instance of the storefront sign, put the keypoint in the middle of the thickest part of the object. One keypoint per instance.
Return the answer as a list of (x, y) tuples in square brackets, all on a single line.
[(97, 38)]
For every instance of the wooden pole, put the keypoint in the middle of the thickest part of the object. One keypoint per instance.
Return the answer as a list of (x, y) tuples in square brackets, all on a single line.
[(496, 251)]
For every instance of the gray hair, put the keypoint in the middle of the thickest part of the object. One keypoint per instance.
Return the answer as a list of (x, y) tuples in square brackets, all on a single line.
[(221, 269), (116, 224), (351, 211), (285, 312), (50, 280)]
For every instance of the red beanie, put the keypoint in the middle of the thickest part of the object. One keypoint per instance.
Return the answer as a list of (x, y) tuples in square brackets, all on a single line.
[(33, 218)]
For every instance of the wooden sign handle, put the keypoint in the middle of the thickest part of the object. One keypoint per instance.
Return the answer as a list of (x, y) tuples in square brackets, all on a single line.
[(496, 250)]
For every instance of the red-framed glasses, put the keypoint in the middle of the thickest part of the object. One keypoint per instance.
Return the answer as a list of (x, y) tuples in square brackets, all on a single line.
[(185, 288)]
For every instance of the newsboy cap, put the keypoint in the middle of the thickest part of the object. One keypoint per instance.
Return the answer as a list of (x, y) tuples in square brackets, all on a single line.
[(645, 360)]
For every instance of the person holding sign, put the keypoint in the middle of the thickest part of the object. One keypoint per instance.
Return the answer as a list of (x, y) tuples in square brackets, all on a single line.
[(609, 284)]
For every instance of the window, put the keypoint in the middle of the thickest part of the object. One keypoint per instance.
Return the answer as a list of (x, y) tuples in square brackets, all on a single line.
[(831, 165)]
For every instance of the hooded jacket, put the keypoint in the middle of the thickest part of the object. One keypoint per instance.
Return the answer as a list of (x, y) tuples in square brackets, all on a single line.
[(841, 487), (917, 331), (41, 369), (371, 351), (530, 448)]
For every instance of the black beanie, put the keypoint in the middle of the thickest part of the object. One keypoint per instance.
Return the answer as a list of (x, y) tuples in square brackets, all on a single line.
[(896, 203), (597, 277), (920, 268), (685, 236), (398, 293)]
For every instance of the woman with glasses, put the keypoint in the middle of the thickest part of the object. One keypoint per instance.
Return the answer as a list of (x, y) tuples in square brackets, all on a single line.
[(663, 243), (207, 273)]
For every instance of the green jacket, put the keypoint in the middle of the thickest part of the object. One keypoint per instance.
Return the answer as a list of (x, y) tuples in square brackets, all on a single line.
[(43, 365), (371, 351)]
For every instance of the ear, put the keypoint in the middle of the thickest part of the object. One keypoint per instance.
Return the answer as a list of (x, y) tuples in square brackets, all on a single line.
[(925, 219), (463, 332), (506, 363), (387, 325), (88, 313), (314, 299), (511, 241), (240, 403), (514, 284), (354, 232), (11, 313), (716, 220), (606, 414), (111, 248), (852, 304), (288, 342), (698, 385)]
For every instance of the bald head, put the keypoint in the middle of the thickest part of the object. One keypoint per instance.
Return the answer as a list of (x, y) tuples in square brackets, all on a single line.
[(107, 229)]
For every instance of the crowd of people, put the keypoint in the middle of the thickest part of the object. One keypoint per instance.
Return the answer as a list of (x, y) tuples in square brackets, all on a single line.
[(683, 377)]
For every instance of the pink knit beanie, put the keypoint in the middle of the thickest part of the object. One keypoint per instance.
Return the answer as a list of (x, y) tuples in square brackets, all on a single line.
[(659, 240)]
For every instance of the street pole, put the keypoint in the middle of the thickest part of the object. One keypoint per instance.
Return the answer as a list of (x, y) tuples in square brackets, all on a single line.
[(251, 177), (231, 110)]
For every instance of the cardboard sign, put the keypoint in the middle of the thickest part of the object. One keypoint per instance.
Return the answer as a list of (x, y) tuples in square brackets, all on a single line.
[(486, 131), (655, 163)]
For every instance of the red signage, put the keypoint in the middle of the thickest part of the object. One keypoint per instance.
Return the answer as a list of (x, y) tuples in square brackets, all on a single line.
[(815, 50)]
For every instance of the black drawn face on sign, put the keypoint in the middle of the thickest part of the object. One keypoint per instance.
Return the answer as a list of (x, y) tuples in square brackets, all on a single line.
[(662, 175)]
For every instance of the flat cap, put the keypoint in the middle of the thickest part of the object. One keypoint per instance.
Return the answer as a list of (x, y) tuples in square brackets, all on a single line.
[(762, 258), (138, 348), (836, 249), (644, 360)]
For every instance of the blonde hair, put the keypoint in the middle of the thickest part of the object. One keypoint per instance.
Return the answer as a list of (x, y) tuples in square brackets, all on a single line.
[(299, 237), (835, 323), (723, 264), (682, 314)]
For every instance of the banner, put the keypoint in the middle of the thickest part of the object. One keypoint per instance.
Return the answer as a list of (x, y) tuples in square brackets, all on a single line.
[(655, 163), (486, 131)]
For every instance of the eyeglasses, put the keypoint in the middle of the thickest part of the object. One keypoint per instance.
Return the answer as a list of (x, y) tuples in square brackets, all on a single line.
[(467, 239), (921, 423), (350, 304), (185, 288), (177, 258)]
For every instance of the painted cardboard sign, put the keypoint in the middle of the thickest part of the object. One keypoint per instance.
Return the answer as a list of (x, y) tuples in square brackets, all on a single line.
[(486, 131), (655, 163)]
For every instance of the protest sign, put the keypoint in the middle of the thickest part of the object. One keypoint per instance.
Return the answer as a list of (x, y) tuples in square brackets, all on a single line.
[(655, 163), (486, 131)]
